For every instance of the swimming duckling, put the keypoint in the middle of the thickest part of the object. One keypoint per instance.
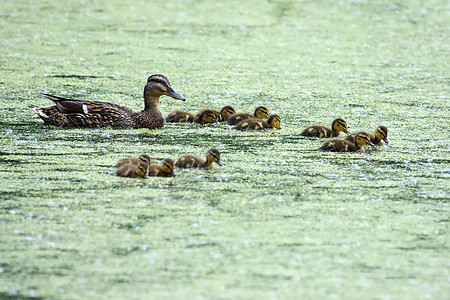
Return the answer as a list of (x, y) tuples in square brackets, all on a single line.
[(203, 117), (337, 126), (165, 169), (273, 122), (134, 160), (225, 113), (79, 113), (340, 145), (206, 116), (261, 112), (191, 161), (180, 116), (133, 170), (380, 135)]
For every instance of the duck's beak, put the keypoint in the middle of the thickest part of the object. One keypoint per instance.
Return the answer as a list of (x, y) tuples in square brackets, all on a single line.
[(370, 143), (346, 131), (146, 176), (219, 162), (386, 140), (216, 121), (173, 173), (174, 95)]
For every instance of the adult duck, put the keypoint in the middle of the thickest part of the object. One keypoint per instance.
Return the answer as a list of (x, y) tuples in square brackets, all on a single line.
[(80, 113)]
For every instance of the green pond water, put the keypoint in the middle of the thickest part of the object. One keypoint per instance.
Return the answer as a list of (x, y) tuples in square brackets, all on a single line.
[(280, 220)]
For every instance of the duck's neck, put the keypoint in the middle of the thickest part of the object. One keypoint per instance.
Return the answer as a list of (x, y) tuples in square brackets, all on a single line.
[(151, 102)]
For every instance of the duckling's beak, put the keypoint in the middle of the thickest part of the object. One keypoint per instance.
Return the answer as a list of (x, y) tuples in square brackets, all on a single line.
[(386, 140), (370, 143), (346, 131), (173, 173), (216, 121), (174, 95), (219, 162), (146, 176)]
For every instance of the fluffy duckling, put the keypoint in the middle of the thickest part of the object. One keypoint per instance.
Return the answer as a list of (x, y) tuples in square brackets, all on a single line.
[(340, 145), (191, 161), (225, 113), (203, 117), (206, 116), (165, 169), (180, 116), (273, 122), (380, 135), (261, 112), (133, 170), (337, 126), (134, 160)]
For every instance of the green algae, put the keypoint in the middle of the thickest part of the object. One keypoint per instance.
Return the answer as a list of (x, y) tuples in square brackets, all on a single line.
[(279, 219)]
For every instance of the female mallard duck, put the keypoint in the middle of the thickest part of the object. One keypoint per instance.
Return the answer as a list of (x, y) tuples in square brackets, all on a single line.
[(273, 122), (165, 169), (341, 145), (134, 160), (203, 117), (380, 135), (261, 112), (133, 170), (80, 113), (337, 126), (191, 161)]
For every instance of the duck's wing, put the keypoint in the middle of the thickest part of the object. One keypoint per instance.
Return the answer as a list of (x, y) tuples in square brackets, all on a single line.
[(70, 106)]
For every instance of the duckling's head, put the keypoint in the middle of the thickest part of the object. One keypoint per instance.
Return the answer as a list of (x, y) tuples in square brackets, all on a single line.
[(145, 158), (213, 155), (142, 170), (363, 138), (207, 116), (158, 85), (226, 112), (274, 121), (261, 112), (381, 133), (339, 125), (168, 166)]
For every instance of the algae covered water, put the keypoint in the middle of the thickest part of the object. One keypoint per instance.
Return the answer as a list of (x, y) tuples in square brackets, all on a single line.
[(279, 219)]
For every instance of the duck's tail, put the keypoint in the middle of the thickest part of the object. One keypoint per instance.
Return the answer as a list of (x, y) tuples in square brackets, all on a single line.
[(39, 111)]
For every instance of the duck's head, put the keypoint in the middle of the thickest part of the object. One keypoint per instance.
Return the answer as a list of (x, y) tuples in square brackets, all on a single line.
[(207, 116), (339, 125), (145, 158), (274, 121), (158, 85), (261, 112), (226, 112), (213, 155), (381, 133), (142, 170), (168, 166), (363, 138)]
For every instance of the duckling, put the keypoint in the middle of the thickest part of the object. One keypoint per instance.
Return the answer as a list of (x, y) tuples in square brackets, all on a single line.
[(206, 116), (179, 116), (337, 126), (380, 135), (191, 161), (133, 170), (225, 113), (80, 113), (165, 169), (261, 112), (134, 160), (273, 122), (340, 145)]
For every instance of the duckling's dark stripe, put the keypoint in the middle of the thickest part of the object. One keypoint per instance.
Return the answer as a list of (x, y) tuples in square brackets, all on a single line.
[(342, 123), (167, 165), (214, 155), (229, 110), (381, 132)]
